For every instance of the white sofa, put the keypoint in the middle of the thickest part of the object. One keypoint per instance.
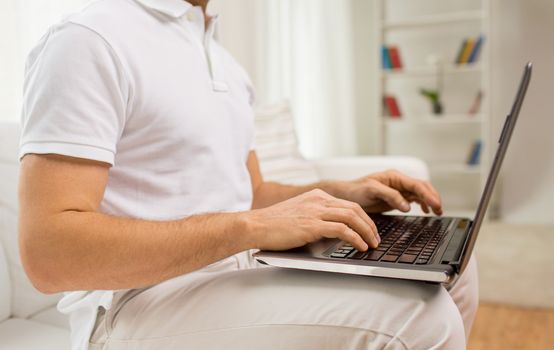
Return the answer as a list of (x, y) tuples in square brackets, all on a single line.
[(29, 320)]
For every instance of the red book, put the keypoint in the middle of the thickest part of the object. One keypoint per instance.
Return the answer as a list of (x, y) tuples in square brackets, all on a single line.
[(395, 57), (476, 105), (392, 106)]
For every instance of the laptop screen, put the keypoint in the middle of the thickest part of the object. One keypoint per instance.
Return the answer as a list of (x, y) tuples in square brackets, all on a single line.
[(503, 142)]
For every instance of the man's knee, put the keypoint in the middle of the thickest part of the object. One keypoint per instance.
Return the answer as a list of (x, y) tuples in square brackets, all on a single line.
[(411, 315), (465, 294), (403, 315), (439, 325)]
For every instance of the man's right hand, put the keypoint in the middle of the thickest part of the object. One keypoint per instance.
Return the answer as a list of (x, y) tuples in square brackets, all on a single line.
[(309, 217)]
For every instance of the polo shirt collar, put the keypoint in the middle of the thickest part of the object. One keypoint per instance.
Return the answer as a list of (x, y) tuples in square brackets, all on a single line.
[(172, 8)]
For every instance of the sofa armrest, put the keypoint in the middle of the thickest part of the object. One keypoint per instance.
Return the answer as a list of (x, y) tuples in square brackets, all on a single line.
[(348, 168)]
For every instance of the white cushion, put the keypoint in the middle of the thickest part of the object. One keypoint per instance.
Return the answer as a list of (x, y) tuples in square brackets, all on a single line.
[(5, 287), (9, 134), (19, 334), (348, 168), (53, 317), (26, 300), (277, 147)]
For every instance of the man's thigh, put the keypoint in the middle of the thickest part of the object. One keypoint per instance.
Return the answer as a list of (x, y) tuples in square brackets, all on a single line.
[(284, 309)]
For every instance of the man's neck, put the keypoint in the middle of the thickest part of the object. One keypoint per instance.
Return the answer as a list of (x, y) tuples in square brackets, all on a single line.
[(201, 3)]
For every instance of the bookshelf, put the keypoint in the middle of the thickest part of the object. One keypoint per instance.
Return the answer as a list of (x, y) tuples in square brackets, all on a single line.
[(426, 120), (428, 35), (434, 20), (430, 71)]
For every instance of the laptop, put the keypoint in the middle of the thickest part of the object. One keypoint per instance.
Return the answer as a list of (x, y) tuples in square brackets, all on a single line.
[(423, 248)]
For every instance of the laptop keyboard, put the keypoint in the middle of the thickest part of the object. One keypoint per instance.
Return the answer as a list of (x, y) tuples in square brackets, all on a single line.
[(404, 239)]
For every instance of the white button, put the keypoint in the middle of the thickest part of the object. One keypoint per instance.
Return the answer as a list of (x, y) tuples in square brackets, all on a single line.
[(220, 86), (191, 16)]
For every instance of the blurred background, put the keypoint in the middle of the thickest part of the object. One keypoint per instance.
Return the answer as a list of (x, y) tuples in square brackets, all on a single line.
[(427, 78)]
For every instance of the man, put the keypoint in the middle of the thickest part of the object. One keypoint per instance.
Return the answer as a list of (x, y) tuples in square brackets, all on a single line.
[(141, 194)]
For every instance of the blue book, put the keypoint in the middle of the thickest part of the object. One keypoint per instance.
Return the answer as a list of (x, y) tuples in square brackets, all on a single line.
[(476, 49), (475, 154), (387, 63)]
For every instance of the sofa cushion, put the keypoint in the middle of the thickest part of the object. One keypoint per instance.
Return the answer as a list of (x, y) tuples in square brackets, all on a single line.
[(5, 287), (26, 300), (19, 334), (277, 147), (52, 317)]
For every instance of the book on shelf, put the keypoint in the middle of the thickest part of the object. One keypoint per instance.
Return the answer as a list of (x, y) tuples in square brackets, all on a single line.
[(461, 52), (394, 54), (476, 50), (390, 56), (391, 107), (474, 153), (387, 63), (476, 104), (470, 44), (469, 50)]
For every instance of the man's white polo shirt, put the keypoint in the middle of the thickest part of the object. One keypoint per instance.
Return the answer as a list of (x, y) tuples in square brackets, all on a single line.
[(142, 85)]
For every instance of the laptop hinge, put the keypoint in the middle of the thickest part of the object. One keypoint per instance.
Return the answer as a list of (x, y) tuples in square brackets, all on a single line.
[(457, 245)]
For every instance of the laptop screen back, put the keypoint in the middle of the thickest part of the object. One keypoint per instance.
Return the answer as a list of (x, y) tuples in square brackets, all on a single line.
[(503, 142)]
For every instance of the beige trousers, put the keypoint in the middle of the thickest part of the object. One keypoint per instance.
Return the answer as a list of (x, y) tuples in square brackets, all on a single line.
[(269, 308)]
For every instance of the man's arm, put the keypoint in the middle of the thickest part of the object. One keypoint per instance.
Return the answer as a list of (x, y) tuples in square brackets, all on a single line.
[(377, 192), (66, 244)]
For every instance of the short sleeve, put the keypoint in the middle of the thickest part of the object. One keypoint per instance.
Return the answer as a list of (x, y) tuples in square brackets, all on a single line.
[(75, 96)]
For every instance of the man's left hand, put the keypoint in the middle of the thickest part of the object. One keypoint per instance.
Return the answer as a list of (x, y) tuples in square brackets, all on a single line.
[(384, 191)]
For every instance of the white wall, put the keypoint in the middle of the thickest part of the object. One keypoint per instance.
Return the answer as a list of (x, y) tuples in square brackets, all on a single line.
[(364, 60), (522, 31)]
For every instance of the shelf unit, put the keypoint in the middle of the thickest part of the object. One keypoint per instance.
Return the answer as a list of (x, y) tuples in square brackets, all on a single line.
[(427, 120), (419, 132), (433, 20), (430, 71)]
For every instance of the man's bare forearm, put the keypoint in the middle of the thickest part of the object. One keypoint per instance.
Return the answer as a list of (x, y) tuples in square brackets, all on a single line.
[(107, 252), (269, 193)]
